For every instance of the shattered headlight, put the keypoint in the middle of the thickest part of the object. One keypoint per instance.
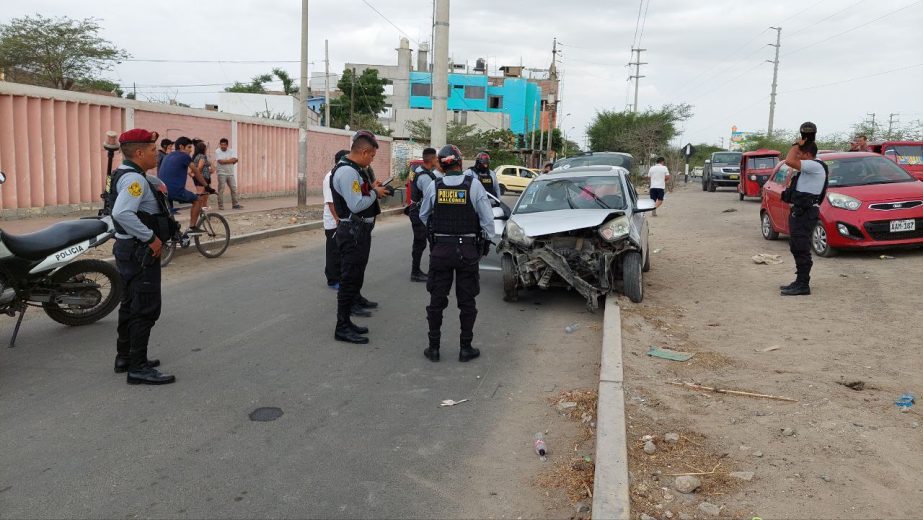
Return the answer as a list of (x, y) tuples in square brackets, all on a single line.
[(614, 229), (516, 235)]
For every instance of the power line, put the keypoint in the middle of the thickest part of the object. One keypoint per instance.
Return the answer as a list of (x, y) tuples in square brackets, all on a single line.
[(372, 7), (853, 28), (815, 4), (146, 60), (643, 22), (852, 79), (816, 23), (634, 38)]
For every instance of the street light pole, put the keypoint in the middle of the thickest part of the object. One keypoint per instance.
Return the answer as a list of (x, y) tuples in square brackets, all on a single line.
[(440, 75), (303, 112)]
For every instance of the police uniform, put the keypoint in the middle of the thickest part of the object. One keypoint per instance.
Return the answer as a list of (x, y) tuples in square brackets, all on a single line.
[(357, 206), (140, 213), (457, 212), (423, 177), (809, 187), (488, 179)]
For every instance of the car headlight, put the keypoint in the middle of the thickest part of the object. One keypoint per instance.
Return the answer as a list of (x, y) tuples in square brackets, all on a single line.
[(838, 200), (516, 235), (753, 177), (614, 229)]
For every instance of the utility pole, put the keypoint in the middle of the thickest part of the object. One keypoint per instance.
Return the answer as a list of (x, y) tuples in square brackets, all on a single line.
[(440, 75), (352, 99), (890, 124), (532, 143), (874, 128), (326, 85), (775, 77), (303, 112), (637, 75)]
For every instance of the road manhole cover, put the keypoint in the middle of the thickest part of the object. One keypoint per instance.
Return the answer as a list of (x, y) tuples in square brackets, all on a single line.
[(266, 414)]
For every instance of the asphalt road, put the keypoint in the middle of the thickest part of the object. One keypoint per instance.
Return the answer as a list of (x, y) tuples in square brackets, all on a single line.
[(362, 434)]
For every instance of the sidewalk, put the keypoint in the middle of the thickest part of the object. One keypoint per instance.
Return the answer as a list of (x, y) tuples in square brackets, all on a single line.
[(257, 205)]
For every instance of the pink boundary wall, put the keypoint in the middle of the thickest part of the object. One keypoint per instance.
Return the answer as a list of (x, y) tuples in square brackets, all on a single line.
[(51, 146)]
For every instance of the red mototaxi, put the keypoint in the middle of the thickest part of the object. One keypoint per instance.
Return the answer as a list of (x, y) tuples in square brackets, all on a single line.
[(907, 154), (871, 203), (755, 169)]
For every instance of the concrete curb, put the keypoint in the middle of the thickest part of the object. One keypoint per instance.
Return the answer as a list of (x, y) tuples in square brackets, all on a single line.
[(610, 488)]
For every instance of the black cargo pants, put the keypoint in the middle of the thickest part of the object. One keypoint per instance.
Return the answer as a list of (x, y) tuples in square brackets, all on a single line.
[(458, 261), (419, 239), (801, 222), (140, 307), (354, 241)]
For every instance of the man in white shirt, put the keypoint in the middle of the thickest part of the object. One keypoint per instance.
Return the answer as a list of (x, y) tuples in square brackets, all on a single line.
[(331, 220), (658, 175), (227, 173)]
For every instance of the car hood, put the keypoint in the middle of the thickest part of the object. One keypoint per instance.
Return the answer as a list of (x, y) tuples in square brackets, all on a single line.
[(550, 222), (883, 192)]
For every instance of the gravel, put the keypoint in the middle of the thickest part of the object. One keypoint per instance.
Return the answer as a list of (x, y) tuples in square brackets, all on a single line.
[(709, 509), (686, 483)]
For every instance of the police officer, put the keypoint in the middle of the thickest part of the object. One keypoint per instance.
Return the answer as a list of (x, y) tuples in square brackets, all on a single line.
[(424, 175), (142, 222), (805, 195), (458, 215), (355, 200), (482, 172)]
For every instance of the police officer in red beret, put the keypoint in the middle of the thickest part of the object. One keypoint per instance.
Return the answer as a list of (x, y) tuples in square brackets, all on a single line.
[(142, 223)]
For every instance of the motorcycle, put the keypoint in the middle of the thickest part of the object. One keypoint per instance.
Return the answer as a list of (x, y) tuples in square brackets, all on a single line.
[(40, 269)]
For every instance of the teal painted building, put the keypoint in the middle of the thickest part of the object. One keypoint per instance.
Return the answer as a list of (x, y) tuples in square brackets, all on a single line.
[(516, 97)]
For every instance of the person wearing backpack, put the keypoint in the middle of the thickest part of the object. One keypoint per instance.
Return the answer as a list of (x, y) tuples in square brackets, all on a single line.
[(805, 194)]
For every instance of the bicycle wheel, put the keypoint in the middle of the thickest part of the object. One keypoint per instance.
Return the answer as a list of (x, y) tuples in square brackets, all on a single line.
[(166, 253), (216, 238)]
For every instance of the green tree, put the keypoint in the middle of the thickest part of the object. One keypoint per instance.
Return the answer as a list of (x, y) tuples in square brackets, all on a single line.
[(641, 134), (55, 52), (254, 87), (361, 95)]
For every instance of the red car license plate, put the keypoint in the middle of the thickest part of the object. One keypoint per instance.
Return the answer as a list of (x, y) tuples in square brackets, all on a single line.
[(898, 226)]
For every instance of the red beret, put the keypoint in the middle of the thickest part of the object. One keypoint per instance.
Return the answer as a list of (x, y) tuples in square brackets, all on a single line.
[(137, 135)]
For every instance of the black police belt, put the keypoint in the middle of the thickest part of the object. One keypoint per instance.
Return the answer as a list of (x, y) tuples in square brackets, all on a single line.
[(804, 200), (357, 220), (456, 239)]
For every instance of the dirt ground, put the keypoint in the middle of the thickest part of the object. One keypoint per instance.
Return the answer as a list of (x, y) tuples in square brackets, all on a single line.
[(845, 353)]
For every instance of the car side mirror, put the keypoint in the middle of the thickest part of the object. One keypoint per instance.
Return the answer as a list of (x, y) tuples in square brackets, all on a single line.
[(707, 161), (645, 205), (2, 177), (499, 214)]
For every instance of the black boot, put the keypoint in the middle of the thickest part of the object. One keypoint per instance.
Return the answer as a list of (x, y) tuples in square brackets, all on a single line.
[(357, 310), (121, 363), (366, 304), (359, 329), (797, 289), (467, 352), (344, 332), (789, 286), (418, 276), (432, 352), (139, 373)]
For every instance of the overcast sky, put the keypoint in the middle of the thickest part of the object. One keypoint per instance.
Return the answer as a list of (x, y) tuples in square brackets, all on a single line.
[(840, 59)]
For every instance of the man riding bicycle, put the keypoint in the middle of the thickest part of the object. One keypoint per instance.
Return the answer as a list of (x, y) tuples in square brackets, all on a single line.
[(174, 170)]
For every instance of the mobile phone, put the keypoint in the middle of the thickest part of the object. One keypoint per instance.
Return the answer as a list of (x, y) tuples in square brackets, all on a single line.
[(389, 181)]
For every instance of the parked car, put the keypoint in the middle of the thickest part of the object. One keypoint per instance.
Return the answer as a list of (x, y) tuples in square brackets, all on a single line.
[(583, 227), (907, 154), (755, 169), (622, 160), (722, 169), (871, 203), (514, 178)]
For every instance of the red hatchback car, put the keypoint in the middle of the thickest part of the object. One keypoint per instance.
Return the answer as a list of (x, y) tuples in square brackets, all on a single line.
[(871, 203)]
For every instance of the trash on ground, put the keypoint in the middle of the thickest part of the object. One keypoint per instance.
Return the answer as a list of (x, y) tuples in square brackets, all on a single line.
[(886, 257), (768, 349), (656, 251), (563, 406), (729, 210), (858, 386), (538, 444), (905, 400), (694, 386), (767, 259), (572, 327), (450, 402), (672, 355)]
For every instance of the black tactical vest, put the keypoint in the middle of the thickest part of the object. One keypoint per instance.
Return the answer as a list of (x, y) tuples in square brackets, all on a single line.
[(453, 210), (486, 180), (416, 194), (339, 203), (161, 223)]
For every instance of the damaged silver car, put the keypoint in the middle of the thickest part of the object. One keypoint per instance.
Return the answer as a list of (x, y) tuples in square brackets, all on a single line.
[(584, 228)]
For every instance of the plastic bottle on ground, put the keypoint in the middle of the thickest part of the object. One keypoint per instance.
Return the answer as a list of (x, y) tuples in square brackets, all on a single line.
[(570, 328), (538, 444)]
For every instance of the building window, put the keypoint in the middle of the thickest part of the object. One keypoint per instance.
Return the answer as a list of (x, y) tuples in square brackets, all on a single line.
[(420, 89), (495, 102), (474, 92)]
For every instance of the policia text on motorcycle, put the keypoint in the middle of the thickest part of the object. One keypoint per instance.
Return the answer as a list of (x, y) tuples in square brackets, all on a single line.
[(355, 199), (457, 213), (142, 222), (805, 194), (423, 176)]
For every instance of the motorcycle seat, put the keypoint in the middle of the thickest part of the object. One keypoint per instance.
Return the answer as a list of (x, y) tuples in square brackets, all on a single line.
[(38, 245)]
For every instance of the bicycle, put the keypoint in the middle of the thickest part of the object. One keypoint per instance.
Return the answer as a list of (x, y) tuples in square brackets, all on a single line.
[(212, 240)]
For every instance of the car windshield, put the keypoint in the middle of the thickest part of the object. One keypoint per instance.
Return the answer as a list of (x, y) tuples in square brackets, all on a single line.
[(762, 163), (862, 171), (906, 154), (726, 158), (608, 159), (598, 192)]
